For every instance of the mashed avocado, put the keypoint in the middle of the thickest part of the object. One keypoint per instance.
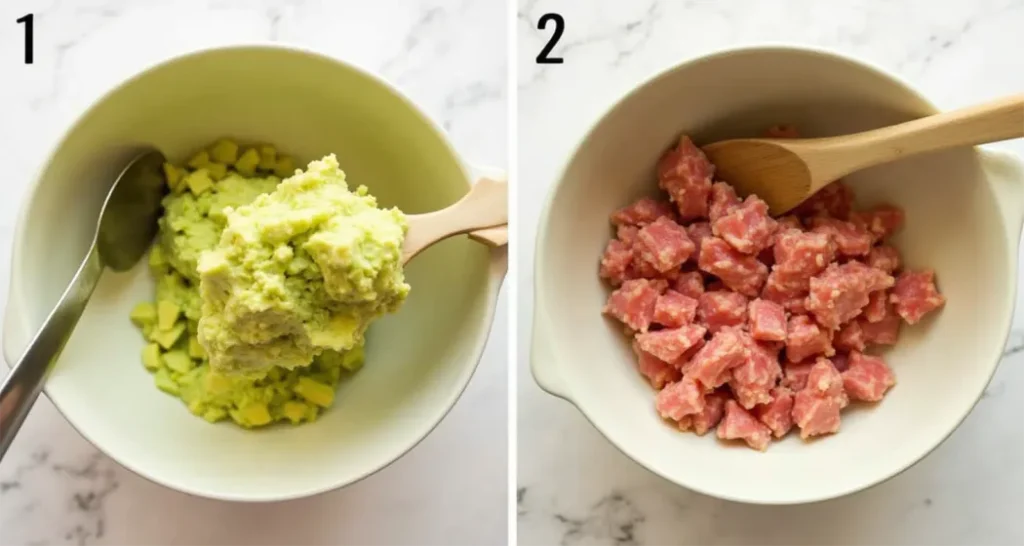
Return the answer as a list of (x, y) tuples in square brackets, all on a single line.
[(300, 270), (216, 181)]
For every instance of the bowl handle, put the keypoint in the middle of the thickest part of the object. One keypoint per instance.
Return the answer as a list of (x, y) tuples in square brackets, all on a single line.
[(543, 361), (1007, 170)]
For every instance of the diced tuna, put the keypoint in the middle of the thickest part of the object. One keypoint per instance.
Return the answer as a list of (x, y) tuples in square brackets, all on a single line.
[(850, 239), (663, 244), (840, 293), (720, 309), (723, 200), (657, 372), (881, 221), (883, 332), (767, 320), (805, 338), (674, 309), (867, 378), (833, 200), (752, 381), (685, 173), (850, 337), (915, 295), (795, 375), (739, 424), (670, 344), (777, 414), (789, 222), (748, 227), (801, 255), (742, 273), (690, 284), (712, 364), (698, 231), (877, 307), (615, 261), (679, 399), (627, 234), (633, 303), (815, 415), (709, 417), (789, 292), (826, 381), (642, 212)]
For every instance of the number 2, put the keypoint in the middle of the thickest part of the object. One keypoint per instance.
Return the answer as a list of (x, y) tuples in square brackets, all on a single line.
[(28, 36), (559, 21)]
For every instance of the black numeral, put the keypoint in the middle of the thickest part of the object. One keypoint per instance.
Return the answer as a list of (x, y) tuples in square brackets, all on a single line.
[(559, 21), (28, 36)]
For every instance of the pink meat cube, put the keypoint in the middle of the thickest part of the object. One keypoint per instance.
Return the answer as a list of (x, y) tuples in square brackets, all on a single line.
[(777, 414), (841, 361), (670, 344), (885, 258), (787, 291), (739, 424), (833, 200), (767, 320), (850, 239), (698, 231), (806, 338), (738, 271), (627, 234), (717, 310), (723, 200), (748, 227), (701, 423), (782, 130), (685, 363), (825, 380), (915, 295), (867, 378), (788, 222), (795, 375), (850, 337), (633, 303), (801, 255), (615, 261), (840, 293), (815, 415), (883, 332), (642, 212), (712, 364), (752, 381), (679, 399), (657, 372), (877, 307), (674, 309), (881, 221), (685, 173), (663, 244), (690, 284)]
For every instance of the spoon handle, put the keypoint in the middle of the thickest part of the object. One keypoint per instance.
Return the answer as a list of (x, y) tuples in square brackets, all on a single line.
[(485, 206), (1001, 119), (21, 387)]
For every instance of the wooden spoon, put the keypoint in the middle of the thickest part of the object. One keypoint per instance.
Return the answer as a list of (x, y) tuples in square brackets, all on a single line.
[(785, 172), (485, 206)]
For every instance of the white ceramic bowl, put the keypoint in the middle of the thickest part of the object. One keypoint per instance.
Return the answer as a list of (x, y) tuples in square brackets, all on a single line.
[(964, 214), (418, 361)]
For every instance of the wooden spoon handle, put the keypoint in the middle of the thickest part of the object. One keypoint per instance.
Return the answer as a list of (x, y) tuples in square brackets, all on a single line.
[(993, 121), (485, 206), (495, 236)]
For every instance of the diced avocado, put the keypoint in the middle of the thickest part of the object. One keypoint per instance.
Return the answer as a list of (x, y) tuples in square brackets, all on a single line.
[(156, 257), (199, 160), (167, 338), (217, 171), (315, 391), (285, 166), (217, 383), (199, 181), (164, 382), (353, 360), (225, 151), (173, 175), (151, 357), (214, 414), (246, 164), (294, 411), (268, 158), (255, 414), (195, 349), (178, 361), (167, 314), (142, 314), (147, 329)]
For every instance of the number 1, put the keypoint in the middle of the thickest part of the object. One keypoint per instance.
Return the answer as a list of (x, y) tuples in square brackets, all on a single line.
[(28, 36)]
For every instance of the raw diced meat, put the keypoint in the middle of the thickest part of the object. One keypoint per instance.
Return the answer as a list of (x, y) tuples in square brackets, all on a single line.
[(782, 130), (833, 200), (825, 380), (815, 415), (884, 257), (679, 399), (663, 244), (698, 231), (616, 259), (642, 212), (850, 239), (850, 337), (805, 338), (701, 423), (795, 375), (915, 295), (752, 381), (841, 361), (738, 271), (713, 362), (881, 221), (840, 292), (685, 363), (685, 173), (877, 307), (788, 292), (883, 332), (767, 320), (670, 344), (867, 378), (657, 372), (748, 227), (690, 283), (777, 414), (723, 200), (718, 310), (789, 222), (801, 255), (674, 309), (627, 234), (633, 303), (739, 424)]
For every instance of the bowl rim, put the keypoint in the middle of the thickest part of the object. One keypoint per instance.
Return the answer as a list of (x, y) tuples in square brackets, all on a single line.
[(541, 244), (15, 304)]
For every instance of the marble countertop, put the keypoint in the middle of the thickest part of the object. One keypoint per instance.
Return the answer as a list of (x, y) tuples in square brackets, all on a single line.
[(574, 486), (55, 488)]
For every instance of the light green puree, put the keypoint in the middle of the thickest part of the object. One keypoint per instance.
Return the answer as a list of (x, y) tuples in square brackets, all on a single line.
[(265, 287)]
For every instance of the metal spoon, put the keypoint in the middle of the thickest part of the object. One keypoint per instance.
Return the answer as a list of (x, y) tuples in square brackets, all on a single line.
[(126, 227)]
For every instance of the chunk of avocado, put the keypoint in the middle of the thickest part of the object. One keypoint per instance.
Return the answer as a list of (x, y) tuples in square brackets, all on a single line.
[(151, 357), (254, 414), (199, 160), (167, 314), (246, 164), (315, 391), (178, 361), (173, 176), (167, 338), (143, 314), (294, 411), (199, 181), (195, 349), (225, 151), (285, 166), (268, 158), (163, 381), (217, 171)]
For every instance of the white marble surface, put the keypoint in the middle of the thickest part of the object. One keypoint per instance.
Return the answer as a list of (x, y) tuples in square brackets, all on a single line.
[(450, 56), (575, 487)]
